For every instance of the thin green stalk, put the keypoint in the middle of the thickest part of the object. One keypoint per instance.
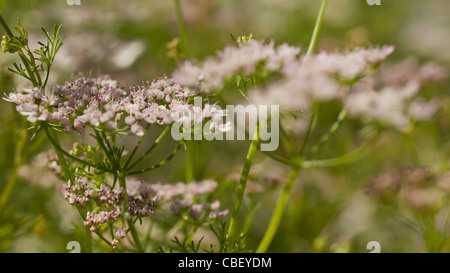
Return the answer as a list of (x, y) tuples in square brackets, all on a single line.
[(148, 235), (189, 238), (287, 143), (87, 244), (312, 124), (344, 159), (278, 212), (33, 62), (19, 158), (136, 147), (182, 29), (131, 228), (59, 150), (172, 231), (9, 186), (102, 146), (411, 146), (103, 238), (189, 161), (278, 157), (160, 164), (14, 172), (6, 27), (88, 240), (157, 141), (316, 31), (241, 188), (135, 236), (60, 154), (110, 147), (248, 219), (330, 132)]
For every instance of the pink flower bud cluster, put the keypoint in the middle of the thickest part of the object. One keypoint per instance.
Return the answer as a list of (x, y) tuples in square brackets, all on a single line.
[(111, 197), (106, 203), (215, 70), (120, 234), (140, 206), (182, 197), (141, 199), (94, 220), (197, 211), (78, 192)]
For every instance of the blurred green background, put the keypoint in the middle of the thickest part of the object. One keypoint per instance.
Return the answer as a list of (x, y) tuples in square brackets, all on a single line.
[(329, 209)]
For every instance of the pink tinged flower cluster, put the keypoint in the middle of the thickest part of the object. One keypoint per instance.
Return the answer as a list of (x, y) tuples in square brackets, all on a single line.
[(94, 220), (215, 213), (318, 77), (394, 106), (182, 196), (196, 211), (100, 102), (119, 235), (109, 201), (352, 64), (141, 206), (186, 191), (408, 70), (78, 192), (215, 70), (110, 197)]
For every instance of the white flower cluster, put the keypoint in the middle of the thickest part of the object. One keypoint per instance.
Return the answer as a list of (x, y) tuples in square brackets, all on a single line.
[(301, 80), (101, 103)]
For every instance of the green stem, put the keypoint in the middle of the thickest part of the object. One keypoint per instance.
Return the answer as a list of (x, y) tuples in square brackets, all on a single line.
[(411, 146), (241, 188), (131, 228), (248, 219), (67, 174), (88, 240), (330, 132), (312, 124), (136, 147), (105, 138), (135, 236), (287, 143), (170, 157), (9, 186), (172, 231), (189, 161), (278, 157), (157, 141), (189, 238), (33, 63), (182, 29), (103, 147), (103, 238), (6, 27), (316, 31), (60, 151), (278, 213), (345, 159), (18, 160)]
